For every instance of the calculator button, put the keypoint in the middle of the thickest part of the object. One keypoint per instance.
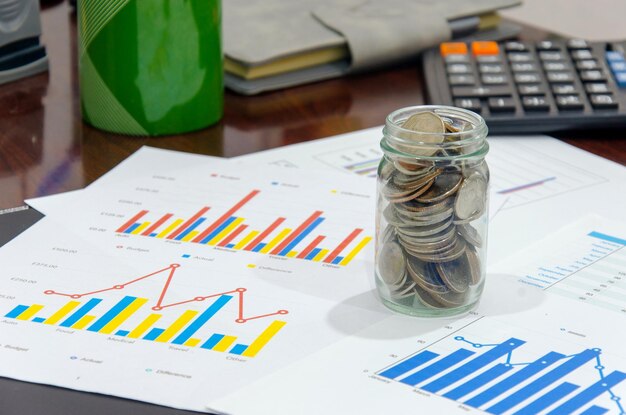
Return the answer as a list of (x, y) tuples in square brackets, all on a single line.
[(587, 64), (551, 56), (523, 67), (620, 78), (459, 68), (618, 66), (582, 54), (531, 90), (485, 48), (527, 78), (488, 59), (453, 48), (613, 56), (494, 79), (569, 102), (454, 80), (604, 101), (597, 88), (520, 57), (590, 76), (547, 45), (535, 103), (490, 68), (471, 104), (555, 66), (481, 91), (558, 77), (515, 47), (457, 59), (501, 104), (563, 89), (577, 44)]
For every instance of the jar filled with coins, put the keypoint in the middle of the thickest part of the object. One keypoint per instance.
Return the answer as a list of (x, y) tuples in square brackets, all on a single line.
[(431, 218)]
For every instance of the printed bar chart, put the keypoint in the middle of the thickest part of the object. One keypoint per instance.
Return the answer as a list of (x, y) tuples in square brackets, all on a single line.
[(231, 231), (491, 380)]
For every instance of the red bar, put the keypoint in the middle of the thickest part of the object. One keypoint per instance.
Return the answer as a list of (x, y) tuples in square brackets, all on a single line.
[(263, 234), (131, 221), (296, 232), (189, 222), (157, 224), (226, 215), (233, 235), (342, 245), (310, 247)]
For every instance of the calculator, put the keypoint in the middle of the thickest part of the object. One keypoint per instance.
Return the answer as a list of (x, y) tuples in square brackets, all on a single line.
[(531, 87)]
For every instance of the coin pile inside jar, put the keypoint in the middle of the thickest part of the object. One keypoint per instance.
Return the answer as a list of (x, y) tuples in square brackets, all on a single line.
[(429, 248)]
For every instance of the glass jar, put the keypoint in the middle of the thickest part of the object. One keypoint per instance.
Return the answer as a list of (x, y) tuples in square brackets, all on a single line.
[(432, 211)]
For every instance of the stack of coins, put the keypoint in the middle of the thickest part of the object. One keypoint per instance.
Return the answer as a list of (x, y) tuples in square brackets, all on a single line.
[(429, 251)]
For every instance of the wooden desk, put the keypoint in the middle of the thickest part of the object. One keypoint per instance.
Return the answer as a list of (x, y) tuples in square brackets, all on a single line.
[(46, 149)]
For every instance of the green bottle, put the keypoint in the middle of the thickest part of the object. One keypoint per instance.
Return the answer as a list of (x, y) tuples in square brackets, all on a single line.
[(150, 67)]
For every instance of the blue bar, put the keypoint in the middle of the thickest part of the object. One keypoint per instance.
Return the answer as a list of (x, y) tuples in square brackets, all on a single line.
[(587, 395), (202, 319), (300, 237), (218, 230), (112, 313), (132, 227), (608, 238), (408, 365), (544, 381), (122, 333), (213, 340), (548, 399), (238, 349), (437, 367), (595, 410), (153, 235), (478, 381), (337, 260), (259, 247), (230, 246), (39, 320), (474, 365), (81, 312), (515, 379), (153, 334), (15, 313), (189, 229), (313, 253)]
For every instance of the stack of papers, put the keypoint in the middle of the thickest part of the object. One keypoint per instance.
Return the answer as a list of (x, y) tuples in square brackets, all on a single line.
[(246, 286)]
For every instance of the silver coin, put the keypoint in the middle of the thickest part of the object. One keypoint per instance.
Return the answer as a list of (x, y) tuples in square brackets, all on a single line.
[(426, 128), (425, 230), (457, 249), (392, 263), (456, 274), (446, 184), (474, 264), (425, 298), (471, 199), (413, 193), (437, 237), (470, 234)]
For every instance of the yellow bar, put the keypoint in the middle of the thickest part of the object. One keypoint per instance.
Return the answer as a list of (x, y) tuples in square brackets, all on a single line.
[(355, 251), (170, 228), (264, 338), (63, 311), (192, 342), (291, 254), (123, 316), (83, 322), (226, 231), (320, 255), (30, 312), (275, 241), (189, 236), (176, 326), (245, 241), (140, 228), (144, 326), (224, 343)]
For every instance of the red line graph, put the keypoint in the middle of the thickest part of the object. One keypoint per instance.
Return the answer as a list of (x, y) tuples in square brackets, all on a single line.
[(161, 304)]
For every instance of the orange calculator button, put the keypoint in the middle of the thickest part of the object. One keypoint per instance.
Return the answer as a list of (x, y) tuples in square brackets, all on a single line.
[(485, 48), (453, 48)]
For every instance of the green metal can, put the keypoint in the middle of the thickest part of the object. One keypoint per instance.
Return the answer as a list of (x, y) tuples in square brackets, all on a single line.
[(150, 67)]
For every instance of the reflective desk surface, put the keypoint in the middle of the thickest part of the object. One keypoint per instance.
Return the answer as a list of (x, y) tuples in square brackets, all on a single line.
[(46, 149)]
